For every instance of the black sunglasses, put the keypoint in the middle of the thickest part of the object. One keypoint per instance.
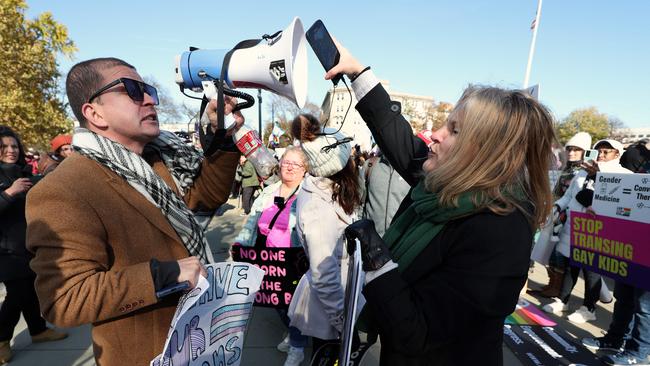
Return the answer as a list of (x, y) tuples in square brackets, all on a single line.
[(134, 88)]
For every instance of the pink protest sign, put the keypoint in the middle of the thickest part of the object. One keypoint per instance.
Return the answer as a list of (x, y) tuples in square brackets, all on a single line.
[(612, 247)]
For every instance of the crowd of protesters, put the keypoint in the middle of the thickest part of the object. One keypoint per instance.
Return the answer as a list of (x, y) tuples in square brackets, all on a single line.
[(627, 341), (445, 237)]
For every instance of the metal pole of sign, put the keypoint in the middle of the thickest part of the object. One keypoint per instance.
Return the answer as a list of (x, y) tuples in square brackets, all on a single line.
[(351, 302)]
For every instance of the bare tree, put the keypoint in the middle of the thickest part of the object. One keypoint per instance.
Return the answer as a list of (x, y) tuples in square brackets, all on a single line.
[(168, 110), (282, 111)]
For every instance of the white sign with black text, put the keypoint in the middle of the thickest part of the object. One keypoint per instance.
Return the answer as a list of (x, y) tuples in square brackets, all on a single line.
[(623, 196)]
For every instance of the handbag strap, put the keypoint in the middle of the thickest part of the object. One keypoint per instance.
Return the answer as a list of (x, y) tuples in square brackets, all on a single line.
[(277, 214)]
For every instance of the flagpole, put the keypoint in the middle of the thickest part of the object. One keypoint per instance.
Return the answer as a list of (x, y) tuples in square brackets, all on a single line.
[(532, 43)]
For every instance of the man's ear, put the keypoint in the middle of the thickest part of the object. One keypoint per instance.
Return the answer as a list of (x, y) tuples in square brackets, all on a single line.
[(94, 115)]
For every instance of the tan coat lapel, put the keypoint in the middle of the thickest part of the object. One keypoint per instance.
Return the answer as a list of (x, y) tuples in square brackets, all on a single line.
[(140, 203)]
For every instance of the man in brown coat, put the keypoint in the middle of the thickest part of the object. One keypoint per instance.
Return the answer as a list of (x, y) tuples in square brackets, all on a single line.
[(112, 225)]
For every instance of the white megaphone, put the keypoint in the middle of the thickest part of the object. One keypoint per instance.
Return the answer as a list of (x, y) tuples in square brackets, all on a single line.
[(276, 64)]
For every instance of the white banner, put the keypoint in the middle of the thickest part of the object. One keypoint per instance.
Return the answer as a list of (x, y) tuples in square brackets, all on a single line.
[(623, 196), (210, 321)]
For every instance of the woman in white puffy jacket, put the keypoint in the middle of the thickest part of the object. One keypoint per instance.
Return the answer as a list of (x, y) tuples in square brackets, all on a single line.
[(609, 152)]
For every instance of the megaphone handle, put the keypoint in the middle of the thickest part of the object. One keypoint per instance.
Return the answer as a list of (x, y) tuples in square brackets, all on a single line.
[(221, 89), (248, 102)]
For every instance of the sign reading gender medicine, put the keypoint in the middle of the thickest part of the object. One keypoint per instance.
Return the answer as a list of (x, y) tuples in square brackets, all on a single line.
[(623, 196)]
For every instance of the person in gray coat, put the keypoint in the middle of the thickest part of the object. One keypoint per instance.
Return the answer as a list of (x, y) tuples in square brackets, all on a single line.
[(325, 206), (384, 191)]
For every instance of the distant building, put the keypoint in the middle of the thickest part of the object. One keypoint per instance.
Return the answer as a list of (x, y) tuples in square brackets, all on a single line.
[(630, 135), (415, 108)]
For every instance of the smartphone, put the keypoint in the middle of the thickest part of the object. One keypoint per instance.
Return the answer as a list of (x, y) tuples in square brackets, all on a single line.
[(324, 48), (35, 178), (591, 155), (181, 286)]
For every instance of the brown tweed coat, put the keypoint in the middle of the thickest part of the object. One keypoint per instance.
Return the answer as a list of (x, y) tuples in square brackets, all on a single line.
[(93, 236)]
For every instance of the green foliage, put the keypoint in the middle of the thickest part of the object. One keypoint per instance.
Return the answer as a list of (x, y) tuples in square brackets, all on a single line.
[(589, 120), (30, 102)]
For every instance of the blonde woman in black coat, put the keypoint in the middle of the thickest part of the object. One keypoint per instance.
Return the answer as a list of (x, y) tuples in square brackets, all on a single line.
[(450, 267)]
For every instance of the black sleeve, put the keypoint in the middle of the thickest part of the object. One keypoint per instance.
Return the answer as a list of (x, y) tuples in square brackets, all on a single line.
[(213, 141), (469, 276), (5, 200), (631, 158), (393, 134), (164, 273), (585, 197)]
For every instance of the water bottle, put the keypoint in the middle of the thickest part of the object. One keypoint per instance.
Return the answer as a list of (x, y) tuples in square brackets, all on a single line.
[(250, 144)]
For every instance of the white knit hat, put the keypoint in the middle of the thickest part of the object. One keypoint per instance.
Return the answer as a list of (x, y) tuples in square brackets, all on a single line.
[(327, 163), (615, 144), (581, 140)]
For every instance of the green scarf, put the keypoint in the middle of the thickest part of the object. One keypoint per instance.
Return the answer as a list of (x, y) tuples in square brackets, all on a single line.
[(414, 229)]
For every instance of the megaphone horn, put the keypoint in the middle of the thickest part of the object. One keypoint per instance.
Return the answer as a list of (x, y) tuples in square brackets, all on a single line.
[(277, 63)]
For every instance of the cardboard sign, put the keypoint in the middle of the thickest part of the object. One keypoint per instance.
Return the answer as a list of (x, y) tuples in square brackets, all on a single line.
[(623, 196), (282, 268), (613, 247), (210, 320)]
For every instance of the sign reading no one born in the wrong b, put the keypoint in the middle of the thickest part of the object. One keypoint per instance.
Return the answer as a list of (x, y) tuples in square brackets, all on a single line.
[(282, 268)]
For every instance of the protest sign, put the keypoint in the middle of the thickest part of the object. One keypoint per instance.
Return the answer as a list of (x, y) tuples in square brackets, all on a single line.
[(344, 352), (623, 196), (550, 346), (612, 247), (351, 304), (210, 320), (531, 335), (615, 242), (283, 268), (528, 314)]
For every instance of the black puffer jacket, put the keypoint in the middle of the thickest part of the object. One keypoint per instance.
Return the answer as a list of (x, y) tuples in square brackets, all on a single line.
[(14, 257)]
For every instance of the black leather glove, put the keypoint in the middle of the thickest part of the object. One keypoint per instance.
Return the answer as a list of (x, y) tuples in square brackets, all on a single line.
[(374, 252)]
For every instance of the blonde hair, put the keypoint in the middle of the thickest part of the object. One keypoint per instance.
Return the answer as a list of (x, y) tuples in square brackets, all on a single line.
[(502, 154), (298, 150)]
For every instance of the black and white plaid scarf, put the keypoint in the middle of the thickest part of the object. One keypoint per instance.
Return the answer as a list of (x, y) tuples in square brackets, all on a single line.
[(184, 163)]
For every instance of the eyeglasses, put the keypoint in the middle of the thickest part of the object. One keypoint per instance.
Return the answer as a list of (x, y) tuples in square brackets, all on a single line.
[(573, 148), (134, 88), (607, 151), (291, 164)]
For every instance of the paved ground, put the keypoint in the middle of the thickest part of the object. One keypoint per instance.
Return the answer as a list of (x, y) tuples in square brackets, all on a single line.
[(265, 330)]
